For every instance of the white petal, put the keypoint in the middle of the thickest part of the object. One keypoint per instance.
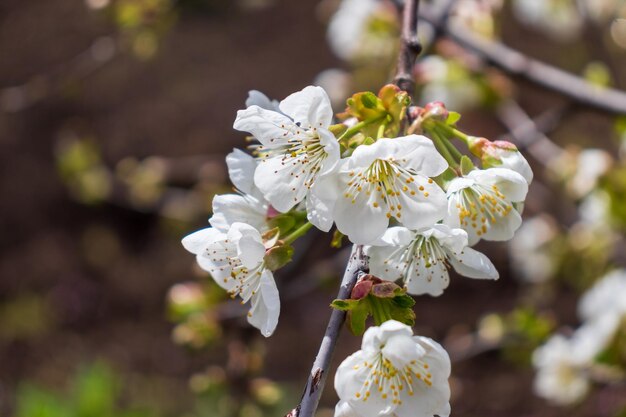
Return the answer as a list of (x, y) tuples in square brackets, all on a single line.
[(413, 152), (331, 147), (319, 211), (515, 160), (401, 350), (268, 127), (360, 221), (430, 280), (424, 158), (250, 251), (265, 307), (473, 264), (310, 107), (350, 379), (453, 239), (281, 181), (257, 98), (423, 208), (241, 168), (343, 409), (375, 337), (231, 208), (509, 182), (196, 242), (501, 230)]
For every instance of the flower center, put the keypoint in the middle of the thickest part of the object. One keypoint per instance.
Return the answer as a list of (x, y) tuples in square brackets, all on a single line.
[(480, 206), (303, 155), (383, 182), (422, 251), (389, 382)]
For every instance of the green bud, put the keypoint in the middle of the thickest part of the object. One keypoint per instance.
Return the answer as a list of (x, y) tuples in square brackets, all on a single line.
[(278, 256)]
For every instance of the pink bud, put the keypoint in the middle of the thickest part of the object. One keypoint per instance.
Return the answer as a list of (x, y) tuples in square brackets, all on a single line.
[(436, 110)]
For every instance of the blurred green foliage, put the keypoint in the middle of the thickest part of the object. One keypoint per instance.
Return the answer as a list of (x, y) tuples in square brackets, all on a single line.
[(96, 391)]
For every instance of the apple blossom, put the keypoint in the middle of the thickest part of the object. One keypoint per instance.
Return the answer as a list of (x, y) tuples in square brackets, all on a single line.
[(481, 203), (296, 145), (389, 178), (235, 261), (394, 373), (421, 258)]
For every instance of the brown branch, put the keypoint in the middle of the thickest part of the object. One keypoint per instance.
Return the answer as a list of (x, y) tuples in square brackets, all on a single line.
[(515, 63), (357, 264), (530, 134), (410, 47)]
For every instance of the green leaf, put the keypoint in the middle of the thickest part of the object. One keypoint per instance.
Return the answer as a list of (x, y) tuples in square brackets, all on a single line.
[(358, 316), (453, 117), (344, 305)]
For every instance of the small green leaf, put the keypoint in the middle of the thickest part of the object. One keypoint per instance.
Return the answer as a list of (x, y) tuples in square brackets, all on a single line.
[(344, 305), (453, 117), (358, 317)]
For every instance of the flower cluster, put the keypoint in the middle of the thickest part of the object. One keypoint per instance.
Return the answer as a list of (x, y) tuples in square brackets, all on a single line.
[(388, 177)]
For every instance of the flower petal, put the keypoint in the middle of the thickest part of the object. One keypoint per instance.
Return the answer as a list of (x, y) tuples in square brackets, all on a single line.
[(268, 127), (231, 208), (423, 204), (196, 242), (265, 307), (422, 279), (257, 98), (472, 264), (359, 219), (241, 168), (281, 181), (310, 107)]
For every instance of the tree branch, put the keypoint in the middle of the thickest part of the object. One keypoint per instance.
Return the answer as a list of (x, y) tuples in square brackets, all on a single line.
[(357, 264), (410, 47), (530, 134), (518, 64)]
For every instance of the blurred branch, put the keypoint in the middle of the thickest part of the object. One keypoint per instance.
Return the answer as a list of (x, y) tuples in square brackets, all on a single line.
[(19, 97), (530, 134), (410, 47), (357, 264), (518, 64)]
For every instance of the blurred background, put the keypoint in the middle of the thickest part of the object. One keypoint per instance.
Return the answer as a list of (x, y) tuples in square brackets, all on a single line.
[(115, 117)]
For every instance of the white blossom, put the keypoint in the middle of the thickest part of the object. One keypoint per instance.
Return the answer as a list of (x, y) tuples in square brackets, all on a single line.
[(235, 260), (389, 178), (563, 364), (353, 33), (248, 206), (528, 252), (421, 258), (394, 373), (481, 203), (607, 296), (296, 146)]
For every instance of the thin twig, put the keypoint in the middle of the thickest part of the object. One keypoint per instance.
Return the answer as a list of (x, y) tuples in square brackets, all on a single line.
[(410, 47), (515, 63), (357, 264)]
